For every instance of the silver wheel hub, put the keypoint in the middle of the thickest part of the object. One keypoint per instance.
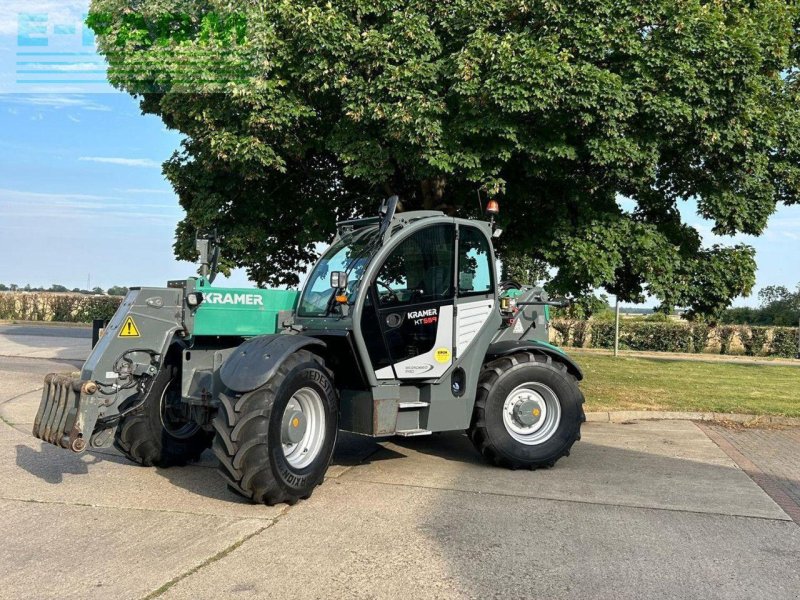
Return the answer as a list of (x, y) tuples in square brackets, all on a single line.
[(303, 428), (528, 413), (531, 413), (294, 426)]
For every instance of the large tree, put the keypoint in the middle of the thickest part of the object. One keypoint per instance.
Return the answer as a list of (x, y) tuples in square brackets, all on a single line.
[(297, 113)]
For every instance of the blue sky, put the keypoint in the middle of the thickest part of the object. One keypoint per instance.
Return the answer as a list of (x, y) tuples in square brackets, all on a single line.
[(81, 190)]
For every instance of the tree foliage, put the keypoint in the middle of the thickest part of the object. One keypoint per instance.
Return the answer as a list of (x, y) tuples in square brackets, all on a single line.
[(779, 306), (117, 290), (297, 113)]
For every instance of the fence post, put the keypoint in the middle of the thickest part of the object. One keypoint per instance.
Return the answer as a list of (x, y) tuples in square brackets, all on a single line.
[(97, 325), (616, 328), (798, 339)]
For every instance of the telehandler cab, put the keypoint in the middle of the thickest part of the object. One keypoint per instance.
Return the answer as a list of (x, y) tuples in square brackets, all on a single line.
[(401, 329)]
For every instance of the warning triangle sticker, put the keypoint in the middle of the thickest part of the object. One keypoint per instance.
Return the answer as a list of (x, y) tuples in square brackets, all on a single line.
[(129, 329)]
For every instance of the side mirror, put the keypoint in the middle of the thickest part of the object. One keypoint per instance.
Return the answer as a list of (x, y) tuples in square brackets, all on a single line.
[(338, 279)]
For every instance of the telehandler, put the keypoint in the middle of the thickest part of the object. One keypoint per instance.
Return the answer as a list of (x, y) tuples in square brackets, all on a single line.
[(401, 329)]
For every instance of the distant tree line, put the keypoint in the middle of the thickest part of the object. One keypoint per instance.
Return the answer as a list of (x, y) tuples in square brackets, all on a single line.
[(779, 306), (115, 290)]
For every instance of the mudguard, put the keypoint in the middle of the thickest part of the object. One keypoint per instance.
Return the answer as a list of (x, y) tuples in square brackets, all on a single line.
[(256, 360), (499, 349)]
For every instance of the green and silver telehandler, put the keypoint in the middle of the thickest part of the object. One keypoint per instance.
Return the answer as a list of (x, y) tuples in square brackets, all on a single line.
[(401, 329)]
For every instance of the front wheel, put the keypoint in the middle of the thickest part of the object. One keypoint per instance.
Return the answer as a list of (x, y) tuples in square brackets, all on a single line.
[(158, 433), (528, 411), (274, 444)]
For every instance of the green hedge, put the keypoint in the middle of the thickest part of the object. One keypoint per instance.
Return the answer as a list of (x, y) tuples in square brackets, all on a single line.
[(673, 336), (784, 342), (69, 308)]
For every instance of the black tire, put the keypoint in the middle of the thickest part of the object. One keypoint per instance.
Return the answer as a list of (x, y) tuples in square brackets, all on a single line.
[(152, 439), (248, 439), (497, 380)]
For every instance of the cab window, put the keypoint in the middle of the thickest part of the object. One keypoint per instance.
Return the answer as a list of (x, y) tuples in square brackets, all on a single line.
[(474, 263), (420, 269)]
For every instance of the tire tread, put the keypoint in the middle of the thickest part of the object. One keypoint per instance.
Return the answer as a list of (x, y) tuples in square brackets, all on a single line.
[(491, 372), (137, 439), (241, 460)]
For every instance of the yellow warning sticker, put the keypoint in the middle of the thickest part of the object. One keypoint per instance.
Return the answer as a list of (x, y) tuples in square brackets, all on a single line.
[(442, 355), (129, 329)]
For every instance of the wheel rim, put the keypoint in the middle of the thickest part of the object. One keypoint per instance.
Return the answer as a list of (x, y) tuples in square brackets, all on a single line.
[(303, 428), (531, 413), (174, 424)]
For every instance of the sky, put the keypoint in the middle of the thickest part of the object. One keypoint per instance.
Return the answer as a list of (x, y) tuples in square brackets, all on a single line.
[(82, 197)]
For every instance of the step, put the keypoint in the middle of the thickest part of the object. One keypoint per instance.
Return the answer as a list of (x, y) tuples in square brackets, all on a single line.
[(413, 432), (412, 405)]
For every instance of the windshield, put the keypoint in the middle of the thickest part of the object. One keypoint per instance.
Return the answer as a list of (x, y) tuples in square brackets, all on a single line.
[(351, 254)]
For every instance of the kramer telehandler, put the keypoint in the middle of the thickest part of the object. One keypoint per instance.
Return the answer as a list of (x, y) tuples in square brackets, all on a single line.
[(401, 329)]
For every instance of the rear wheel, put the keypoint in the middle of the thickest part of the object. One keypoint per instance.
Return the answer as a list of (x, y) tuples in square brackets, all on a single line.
[(158, 433), (528, 411), (274, 444)]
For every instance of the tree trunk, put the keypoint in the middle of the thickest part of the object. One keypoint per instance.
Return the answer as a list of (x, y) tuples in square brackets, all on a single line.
[(432, 193)]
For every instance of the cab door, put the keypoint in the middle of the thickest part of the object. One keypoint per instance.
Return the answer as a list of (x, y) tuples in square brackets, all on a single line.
[(411, 305), (475, 302)]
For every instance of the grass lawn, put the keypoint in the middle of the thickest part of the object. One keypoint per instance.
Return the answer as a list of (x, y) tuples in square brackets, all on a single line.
[(685, 385)]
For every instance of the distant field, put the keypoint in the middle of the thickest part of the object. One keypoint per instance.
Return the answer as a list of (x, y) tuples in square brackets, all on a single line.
[(684, 385)]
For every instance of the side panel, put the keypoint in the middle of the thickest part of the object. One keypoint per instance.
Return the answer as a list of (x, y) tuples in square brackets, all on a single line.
[(449, 412), (433, 363), (242, 312), (155, 315), (469, 321), (200, 383)]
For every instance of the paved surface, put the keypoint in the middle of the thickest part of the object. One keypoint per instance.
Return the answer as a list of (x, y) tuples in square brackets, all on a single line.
[(43, 341), (775, 456), (43, 330), (641, 510)]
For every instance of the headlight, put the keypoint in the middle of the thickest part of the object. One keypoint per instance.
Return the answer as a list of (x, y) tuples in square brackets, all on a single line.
[(194, 299)]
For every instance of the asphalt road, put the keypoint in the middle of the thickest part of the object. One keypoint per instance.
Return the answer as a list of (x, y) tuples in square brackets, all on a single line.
[(51, 331), (45, 342), (641, 510)]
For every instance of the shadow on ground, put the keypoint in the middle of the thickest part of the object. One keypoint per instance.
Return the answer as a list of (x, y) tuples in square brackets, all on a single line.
[(658, 474), (38, 463)]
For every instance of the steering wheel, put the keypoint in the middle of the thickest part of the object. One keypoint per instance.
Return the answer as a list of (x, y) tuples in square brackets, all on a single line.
[(391, 297)]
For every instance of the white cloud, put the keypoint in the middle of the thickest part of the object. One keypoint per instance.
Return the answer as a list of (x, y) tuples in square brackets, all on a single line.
[(21, 205), (73, 119), (9, 196), (54, 101), (123, 162)]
